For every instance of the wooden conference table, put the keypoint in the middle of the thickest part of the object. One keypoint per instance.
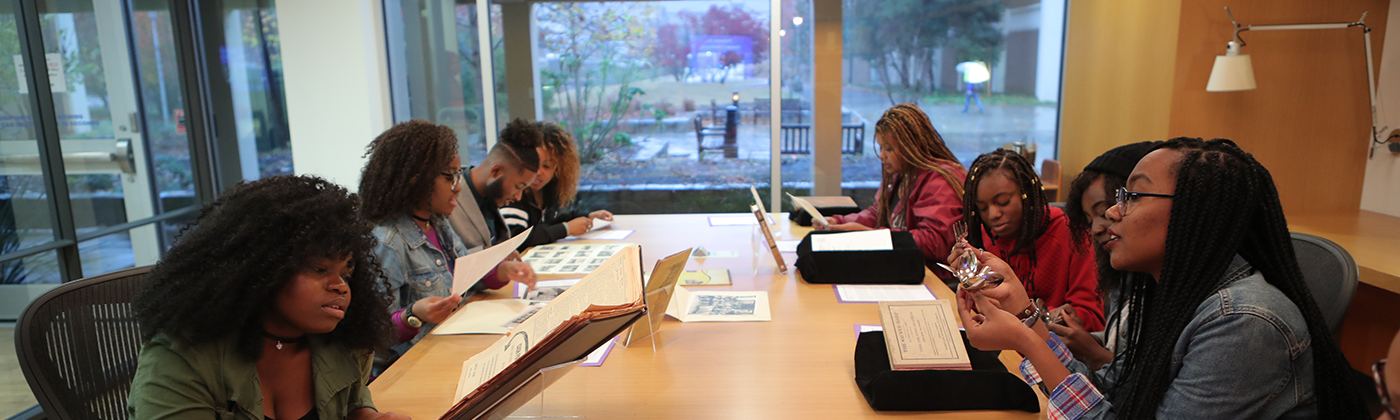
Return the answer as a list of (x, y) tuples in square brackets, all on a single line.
[(799, 365)]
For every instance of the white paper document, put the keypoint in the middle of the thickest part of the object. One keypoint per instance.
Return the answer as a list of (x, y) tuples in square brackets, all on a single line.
[(865, 240), (788, 245), (739, 220), (469, 268), (817, 218), (599, 224), (698, 306), (607, 235), (483, 317), (860, 293), (570, 258)]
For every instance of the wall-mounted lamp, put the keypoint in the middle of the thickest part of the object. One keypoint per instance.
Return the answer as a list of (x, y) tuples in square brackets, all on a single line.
[(735, 98), (1235, 72)]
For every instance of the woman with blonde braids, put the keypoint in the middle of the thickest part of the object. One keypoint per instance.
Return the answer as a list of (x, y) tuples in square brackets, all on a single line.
[(921, 188)]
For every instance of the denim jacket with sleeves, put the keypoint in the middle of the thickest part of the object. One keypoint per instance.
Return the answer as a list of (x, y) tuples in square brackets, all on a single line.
[(1246, 353), (412, 268)]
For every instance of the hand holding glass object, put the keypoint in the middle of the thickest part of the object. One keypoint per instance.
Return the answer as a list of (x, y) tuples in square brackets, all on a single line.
[(971, 275)]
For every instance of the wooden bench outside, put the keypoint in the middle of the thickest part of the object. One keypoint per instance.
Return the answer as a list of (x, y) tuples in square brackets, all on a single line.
[(797, 139), (707, 138)]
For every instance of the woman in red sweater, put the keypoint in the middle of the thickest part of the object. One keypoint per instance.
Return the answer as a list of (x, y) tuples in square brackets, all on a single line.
[(921, 187), (1017, 225)]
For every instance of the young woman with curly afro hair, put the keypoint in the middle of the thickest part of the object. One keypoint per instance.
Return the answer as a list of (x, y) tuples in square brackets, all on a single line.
[(268, 306)]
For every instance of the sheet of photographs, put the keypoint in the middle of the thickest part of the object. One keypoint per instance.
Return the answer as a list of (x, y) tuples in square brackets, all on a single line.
[(570, 258)]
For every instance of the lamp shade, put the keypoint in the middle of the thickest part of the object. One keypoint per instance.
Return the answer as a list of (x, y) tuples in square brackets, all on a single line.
[(1231, 73)]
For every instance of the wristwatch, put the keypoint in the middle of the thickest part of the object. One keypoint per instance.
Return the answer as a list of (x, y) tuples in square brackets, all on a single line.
[(1032, 313), (411, 320)]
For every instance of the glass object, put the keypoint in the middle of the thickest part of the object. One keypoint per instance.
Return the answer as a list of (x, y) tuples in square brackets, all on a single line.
[(250, 109), (108, 253), (24, 198), (986, 72), (435, 67), (647, 91)]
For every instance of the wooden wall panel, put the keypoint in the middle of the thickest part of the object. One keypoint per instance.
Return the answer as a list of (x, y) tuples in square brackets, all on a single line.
[(1308, 121), (1118, 76)]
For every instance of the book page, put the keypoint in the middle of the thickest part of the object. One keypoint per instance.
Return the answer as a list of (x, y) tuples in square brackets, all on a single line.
[(616, 282), (923, 335), (577, 259), (866, 240), (817, 218)]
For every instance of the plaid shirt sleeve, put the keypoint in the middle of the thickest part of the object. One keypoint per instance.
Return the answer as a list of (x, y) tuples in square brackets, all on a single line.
[(1028, 372), (1075, 396)]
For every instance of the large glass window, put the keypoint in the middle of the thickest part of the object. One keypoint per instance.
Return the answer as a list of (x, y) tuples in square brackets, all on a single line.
[(671, 105), (986, 72), (250, 109)]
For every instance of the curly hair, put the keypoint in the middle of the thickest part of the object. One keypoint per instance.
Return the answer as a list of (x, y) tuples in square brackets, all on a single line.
[(920, 147), (225, 270), (1225, 204), (1034, 207), (517, 144), (564, 186), (404, 163)]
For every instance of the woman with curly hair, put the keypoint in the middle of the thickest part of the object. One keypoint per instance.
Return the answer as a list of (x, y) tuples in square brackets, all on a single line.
[(544, 204), (1090, 196), (1222, 326), (920, 187), (409, 186), (267, 307), (1010, 217)]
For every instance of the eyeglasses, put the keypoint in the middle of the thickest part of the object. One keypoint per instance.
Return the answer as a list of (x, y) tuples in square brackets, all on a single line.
[(1378, 373), (455, 177), (1124, 197)]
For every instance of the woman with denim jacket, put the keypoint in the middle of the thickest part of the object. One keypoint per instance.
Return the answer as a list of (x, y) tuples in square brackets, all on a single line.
[(409, 186), (1224, 327)]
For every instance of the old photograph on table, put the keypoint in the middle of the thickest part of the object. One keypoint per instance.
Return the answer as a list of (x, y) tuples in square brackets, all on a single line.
[(570, 258), (704, 306)]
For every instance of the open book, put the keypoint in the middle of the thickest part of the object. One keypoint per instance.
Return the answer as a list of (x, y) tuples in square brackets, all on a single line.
[(597, 308)]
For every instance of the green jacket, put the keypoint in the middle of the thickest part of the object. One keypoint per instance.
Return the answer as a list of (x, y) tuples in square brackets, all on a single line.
[(212, 381)]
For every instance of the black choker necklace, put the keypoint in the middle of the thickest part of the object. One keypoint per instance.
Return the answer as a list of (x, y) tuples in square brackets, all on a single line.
[(421, 219), (284, 340)]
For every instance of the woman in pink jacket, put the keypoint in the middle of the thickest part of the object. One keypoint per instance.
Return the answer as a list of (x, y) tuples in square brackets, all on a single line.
[(921, 189)]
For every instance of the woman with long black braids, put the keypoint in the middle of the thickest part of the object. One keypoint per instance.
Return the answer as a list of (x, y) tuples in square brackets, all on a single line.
[(268, 307), (1224, 328)]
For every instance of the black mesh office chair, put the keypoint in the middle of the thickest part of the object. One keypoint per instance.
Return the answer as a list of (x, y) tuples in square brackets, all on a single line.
[(77, 345), (1331, 274)]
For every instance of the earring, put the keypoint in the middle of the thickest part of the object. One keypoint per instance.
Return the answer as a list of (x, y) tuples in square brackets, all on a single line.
[(1023, 196)]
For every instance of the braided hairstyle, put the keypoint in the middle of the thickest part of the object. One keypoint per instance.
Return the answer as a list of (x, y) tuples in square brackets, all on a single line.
[(564, 186), (404, 163), (920, 147), (1034, 214), (1225, 195), (226, 269), (1080, 222)]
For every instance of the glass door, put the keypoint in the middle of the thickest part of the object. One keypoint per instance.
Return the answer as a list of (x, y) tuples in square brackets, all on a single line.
[(125, 182)]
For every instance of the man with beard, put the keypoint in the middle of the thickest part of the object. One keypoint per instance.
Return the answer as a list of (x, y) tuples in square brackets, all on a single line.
[(499, 180)]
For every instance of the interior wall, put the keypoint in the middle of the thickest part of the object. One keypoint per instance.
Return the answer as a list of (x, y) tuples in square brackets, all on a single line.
[(1119, 66), (1381, 191), (335, 70), (1308, 121)]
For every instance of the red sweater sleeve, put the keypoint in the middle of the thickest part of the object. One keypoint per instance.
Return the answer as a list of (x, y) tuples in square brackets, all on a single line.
[(1079, 274), (865, 217)]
